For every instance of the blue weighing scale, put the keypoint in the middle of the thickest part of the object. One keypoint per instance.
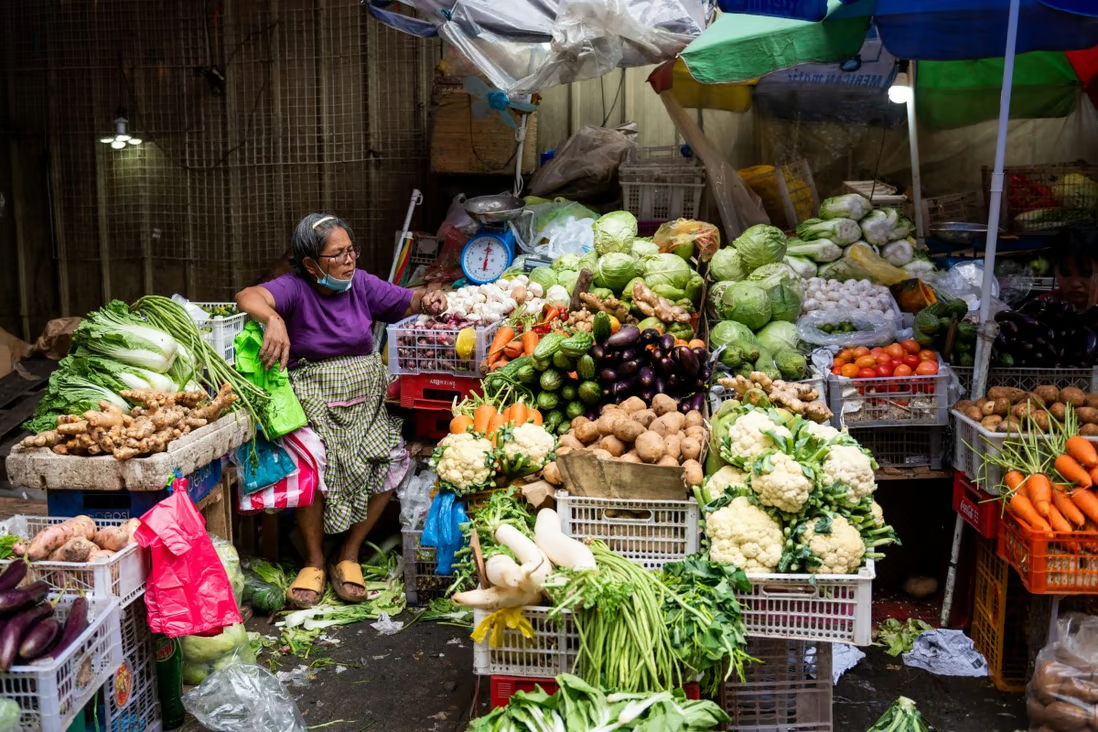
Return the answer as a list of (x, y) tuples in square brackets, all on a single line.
[(491, 250)]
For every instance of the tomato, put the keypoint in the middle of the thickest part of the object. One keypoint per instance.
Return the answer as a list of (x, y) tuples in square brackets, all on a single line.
[(876, 351), (849, 370), (867, 374), (866, 362), (896, 351), (837, 370), (927, 368), (861, 351), (928, 356), (912, 360), (884, 359), (884, 370), (847, 355), (840, 361), (912, 346), (903, 370)]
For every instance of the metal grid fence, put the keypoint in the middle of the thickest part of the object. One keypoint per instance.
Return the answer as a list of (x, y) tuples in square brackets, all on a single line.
[(252, 114)]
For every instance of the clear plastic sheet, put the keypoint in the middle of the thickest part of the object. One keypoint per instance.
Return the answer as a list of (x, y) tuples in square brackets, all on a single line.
[(244, 698), (873, 329), (1063, 692)]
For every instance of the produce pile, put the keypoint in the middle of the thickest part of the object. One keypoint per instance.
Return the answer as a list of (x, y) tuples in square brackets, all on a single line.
[(1039, 207), (141, 430), (76, 540), (787, 494), (32, 631), (1046, 333), (1062, 694), (1007, 409)]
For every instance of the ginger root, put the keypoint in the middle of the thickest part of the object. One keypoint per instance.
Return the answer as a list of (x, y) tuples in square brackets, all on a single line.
[(655, 306), (610, 306)]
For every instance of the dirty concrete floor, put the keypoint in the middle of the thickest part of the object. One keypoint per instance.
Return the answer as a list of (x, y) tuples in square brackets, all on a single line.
[(421, 681)]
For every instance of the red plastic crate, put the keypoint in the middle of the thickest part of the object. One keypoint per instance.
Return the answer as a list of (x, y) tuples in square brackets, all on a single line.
[(432, 424), (502, 688), (980, 509), (1050, 562), (435, 391)]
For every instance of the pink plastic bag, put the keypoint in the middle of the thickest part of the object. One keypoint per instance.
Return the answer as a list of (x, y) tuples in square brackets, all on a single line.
[(300, 487), (188, 592)]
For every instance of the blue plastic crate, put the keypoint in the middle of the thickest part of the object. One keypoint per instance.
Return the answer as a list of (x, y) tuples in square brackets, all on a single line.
[(128, 504), (811, 10)]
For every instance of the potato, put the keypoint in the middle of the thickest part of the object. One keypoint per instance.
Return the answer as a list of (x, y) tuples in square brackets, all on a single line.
[(672, 447), (1092, 400), (1037, 399), (1066, 716), (694, 418), (1087, 415), (1010, 393), (602, 454), (613, 445), (1010, 425), (692, 473), (564, 450), (974, 413), (1089, 430), (551, 473), (1074, 397), (570, 440), (697, 433), (633, 404), (663, 404), (631, 457), (661, 426), (668, 462), (580, 420), (1039, 419), (628, 430), (676, 421), (982, 401), (607, 421), (964, 404), (588, 432), (644, 417), (1058, 410), (990, 423), (1048, 393), (608, 408), (649, 446), (1023, 411), (690, 448)]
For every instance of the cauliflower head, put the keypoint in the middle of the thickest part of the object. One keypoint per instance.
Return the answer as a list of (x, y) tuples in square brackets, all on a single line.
[(820, 432), (746, 439), (878, 514), (528, 449), (784, 486), (743, 535), (464, 460), (839, 552), (849, 466), (728, 477)]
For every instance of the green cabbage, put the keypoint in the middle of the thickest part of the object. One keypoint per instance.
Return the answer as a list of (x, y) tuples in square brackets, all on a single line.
[(727, 265), (729, 331), (716, 293), (566, 278), (588, 261), (566, 261), (771, 275), (614, 271), (666, 269), (761, 244), (851, 206), (746, 303), (805, 268), (232, 641), (614, 232), (839, 231), (644, 248), (782, 285), (544, 277), (778, 336)]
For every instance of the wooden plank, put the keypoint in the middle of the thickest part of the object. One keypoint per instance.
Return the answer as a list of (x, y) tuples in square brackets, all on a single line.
[(10, 419)]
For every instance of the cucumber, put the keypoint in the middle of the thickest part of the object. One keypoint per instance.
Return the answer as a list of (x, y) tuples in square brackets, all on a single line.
[(600, 328), (568, 391)]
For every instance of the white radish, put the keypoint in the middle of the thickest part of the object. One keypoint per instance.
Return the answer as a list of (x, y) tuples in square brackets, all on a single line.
[(502, 571), (534, 560), (563, 550), (495, 598)]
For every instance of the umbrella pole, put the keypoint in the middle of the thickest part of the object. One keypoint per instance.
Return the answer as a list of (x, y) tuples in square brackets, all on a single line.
[(983, 343), (916, 176)]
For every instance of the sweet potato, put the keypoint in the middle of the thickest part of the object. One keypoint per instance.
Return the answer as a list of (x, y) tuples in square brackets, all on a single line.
[(115, 538), (99, 554), (76, 549), (49, 540)]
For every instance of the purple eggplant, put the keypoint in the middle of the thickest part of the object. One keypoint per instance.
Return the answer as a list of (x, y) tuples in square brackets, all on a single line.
[(13, 575), (667, 342), (592, 415), (695, 403), (75, 624), (621, 389), (701, 354), (660, 385), (704, 373), (628, 354), (597, 352), (608, 376), (688, 360), (667, 365), (13, 600), (648, 394), (647, 377), (674, 381), (656, 355), (649, 335), (629, 368), (40, 639), (627, 335), (12, 635)]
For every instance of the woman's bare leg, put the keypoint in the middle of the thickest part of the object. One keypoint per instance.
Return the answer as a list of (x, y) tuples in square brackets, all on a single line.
[(357, 534), (310, 520)]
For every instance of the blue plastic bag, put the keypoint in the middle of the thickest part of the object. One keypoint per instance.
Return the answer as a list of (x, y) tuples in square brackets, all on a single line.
[(265, 466), (443, 530)]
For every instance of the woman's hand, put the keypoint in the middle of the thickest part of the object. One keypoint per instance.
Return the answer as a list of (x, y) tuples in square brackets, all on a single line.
[(434, 303), (276, 344)]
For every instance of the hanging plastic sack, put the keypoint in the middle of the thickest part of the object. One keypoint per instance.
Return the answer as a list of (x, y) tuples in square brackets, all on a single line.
[(688, 238), (443, 529), (1063, 691), (300, 487), (586, 167), (188, 591), (230, 560), (244, 698), (283, 414), (262, 463)]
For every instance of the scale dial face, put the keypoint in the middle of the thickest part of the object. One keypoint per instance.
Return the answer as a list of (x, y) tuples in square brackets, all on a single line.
[(485, 259)]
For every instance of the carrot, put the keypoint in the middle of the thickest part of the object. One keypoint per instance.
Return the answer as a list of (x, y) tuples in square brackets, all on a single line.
[(497, 421), (483, 417), (529, 342), (504, 335), (1014, 481), (460, 424), (1094, 475), (1070, 511), (1021, 507), (696, 343), (513, 349), (1070, 468), (518, 414), (1040, 492), (535, 416), (1083, 450), (1057, 521), (1087, 502)]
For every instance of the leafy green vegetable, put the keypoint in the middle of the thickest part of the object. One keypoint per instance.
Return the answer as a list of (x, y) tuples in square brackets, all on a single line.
[(544, 276), (778, 336), (614, 232), (729, 331), (69, 393), (7, 543), (746, 303), (878, 226), (644, 248), (841, 231), (566, 278), (565, 261), (615, 270), (849, 206), (666, 269), (899, 637), (115, 332), (804, 267), (727, 265), (902, 716), (820, 250), (760, 244), (115, 375)]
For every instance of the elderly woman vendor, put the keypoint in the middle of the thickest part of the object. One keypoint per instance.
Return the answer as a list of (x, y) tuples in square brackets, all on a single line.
[(319, 323)]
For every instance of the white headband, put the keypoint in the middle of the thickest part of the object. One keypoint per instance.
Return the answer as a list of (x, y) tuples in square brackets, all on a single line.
[(318, 223)]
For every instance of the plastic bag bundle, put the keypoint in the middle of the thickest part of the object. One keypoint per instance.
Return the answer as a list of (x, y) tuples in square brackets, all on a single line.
[(1063, 693), (243, 698), (872, 329)]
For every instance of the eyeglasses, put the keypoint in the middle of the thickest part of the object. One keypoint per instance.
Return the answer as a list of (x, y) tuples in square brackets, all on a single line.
[(345, 256)]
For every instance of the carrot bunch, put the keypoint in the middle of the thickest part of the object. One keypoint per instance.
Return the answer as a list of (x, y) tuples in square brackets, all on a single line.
[(487, 420)]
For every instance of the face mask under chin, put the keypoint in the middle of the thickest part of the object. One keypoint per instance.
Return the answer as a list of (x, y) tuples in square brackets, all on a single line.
[(334, 283)]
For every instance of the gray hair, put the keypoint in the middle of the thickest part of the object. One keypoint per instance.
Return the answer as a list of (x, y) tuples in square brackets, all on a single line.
[(310, 237)]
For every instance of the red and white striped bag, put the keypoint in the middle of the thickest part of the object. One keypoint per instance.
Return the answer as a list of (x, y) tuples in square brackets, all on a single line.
[(299, 488)]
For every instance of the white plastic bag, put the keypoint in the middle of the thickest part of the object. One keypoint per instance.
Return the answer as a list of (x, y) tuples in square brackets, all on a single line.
[(243, 698), (1063, 686), (414, 495), (872, 329), (570, 236)]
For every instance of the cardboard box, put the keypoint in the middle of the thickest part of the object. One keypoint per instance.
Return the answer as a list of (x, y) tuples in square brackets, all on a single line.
[(7, 361), (585, 475)]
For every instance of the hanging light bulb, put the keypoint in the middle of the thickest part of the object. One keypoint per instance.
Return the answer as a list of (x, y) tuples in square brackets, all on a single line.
[(118, 144), (901, 92), (120, 137)]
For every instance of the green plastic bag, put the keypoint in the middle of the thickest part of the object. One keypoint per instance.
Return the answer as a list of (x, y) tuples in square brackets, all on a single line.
[(284, 413)]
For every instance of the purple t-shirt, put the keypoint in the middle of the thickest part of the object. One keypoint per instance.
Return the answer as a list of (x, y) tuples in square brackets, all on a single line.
[(329, 326)]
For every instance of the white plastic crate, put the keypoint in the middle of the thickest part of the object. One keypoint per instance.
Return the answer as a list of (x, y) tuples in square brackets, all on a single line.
[(649, 533), (903, 447), (1029, 379), (51, 694), (122, 575), (788, 691), (718, 395), (831, 608), (659, 184), (137, 646), (421, 584), (418, 351), (974, 441), (129, 701), (553, 649), (893, 401), (220, 332)]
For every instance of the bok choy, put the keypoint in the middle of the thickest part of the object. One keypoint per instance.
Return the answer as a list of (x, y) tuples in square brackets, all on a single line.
[(115, 332), (70, 393)]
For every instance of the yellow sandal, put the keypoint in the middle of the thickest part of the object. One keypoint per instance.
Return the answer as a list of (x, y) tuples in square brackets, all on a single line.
[(350, 573), (309, 579)]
